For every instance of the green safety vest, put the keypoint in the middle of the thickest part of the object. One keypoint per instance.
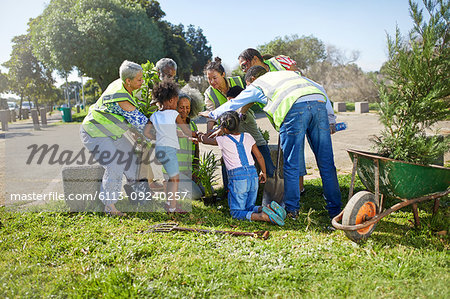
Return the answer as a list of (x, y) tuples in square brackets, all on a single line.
[(274, 65), (185, 154), (99, 122), (282, 90), (219, 98)]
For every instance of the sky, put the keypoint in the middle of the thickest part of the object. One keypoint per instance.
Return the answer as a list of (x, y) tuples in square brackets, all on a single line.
[(232, 26)]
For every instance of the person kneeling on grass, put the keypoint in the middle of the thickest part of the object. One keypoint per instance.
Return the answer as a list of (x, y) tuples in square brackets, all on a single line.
[(242, 177)]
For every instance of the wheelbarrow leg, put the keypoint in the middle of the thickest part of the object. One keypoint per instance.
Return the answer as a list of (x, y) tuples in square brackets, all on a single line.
[(416, 215), (352, 183)]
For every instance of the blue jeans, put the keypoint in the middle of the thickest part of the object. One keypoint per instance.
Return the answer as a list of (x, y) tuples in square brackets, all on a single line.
[(308, 119), (265, 152), (167, 156), (243, 190)]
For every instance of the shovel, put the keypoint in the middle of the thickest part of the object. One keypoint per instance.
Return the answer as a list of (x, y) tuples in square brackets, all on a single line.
[(274, 187), (168, 227)]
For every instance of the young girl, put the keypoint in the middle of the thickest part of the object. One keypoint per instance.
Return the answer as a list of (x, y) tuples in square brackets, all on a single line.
[(242, 177), (165, 122)]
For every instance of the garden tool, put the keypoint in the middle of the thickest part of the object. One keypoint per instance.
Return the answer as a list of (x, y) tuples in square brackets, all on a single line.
[(138, 192), (168, 227), (274, 187)]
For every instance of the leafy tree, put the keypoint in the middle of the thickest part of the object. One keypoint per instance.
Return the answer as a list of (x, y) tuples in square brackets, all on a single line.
[(344, 83), (416, 92), (28, 77), (202, 52), (95, 36), (92, 91), (3, 82), (188, 48), (305, 50)]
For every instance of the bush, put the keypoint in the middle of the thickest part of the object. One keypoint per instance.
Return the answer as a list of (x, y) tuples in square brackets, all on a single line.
[(415, 92)]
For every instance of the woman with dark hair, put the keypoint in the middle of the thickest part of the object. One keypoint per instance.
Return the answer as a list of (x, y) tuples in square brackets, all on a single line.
[(251, 57), (219, 84), (216, 95)]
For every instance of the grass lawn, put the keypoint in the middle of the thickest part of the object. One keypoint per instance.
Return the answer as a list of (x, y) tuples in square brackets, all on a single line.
[(89, 255)]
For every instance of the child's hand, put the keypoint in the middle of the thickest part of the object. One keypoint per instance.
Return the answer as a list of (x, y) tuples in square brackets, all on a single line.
[(262, 177), (200, 136), (218, 132)]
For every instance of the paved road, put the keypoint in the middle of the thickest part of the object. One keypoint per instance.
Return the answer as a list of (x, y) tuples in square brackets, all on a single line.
[(18, 176)]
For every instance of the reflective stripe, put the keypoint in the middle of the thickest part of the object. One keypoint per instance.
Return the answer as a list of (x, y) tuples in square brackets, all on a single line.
[(219, 98), (121, 124), (282, 90), (101, 128), (184, 151), (212, 95), (284, 94), (235, 81), (271, 87), (114, 96), (274, 64)]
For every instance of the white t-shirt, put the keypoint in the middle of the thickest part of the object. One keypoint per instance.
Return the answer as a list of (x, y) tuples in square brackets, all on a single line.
[(166, 127), (230, 153)]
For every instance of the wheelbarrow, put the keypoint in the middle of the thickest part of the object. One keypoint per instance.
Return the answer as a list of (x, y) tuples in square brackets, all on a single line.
[(383, 177)]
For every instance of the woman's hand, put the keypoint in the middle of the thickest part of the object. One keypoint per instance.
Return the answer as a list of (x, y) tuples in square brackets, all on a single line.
[(204, 114)]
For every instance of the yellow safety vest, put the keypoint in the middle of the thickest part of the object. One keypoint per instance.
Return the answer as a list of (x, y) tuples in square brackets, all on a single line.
[(274, 65), (282, 90), (185, 154), (99, 122), (219, 98)]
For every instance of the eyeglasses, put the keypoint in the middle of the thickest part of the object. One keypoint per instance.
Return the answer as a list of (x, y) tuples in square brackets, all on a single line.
[(244, 65)]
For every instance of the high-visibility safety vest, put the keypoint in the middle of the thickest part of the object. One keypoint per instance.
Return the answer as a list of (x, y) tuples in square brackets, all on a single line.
[(185, 154), (274, 65), (219, 98), (282, 90), (99, 122)]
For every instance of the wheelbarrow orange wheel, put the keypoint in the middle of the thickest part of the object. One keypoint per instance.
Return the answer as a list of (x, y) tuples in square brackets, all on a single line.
[(360, 208)]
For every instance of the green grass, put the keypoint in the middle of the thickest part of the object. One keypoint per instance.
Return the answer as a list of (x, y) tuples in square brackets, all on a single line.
[(90, 255)]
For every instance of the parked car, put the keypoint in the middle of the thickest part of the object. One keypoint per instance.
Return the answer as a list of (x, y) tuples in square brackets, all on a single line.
[(26, 105), (13, 107)]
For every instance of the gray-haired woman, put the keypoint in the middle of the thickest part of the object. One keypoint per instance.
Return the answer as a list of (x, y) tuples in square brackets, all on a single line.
[(167, 68), (102, 134)]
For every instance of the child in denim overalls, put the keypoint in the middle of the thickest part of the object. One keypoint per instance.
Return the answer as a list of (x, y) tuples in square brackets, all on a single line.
[(242, 177)]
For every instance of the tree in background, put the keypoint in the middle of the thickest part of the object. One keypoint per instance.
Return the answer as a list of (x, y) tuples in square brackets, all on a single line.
[(328, 65), (92, 91), (189, 48), (28, 77), (95, 36), (202, 52), (4, 84), (305, 50), (416, 91)]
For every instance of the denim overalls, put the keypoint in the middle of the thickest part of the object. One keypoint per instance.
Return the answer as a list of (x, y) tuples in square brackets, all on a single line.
[(242, 185)]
